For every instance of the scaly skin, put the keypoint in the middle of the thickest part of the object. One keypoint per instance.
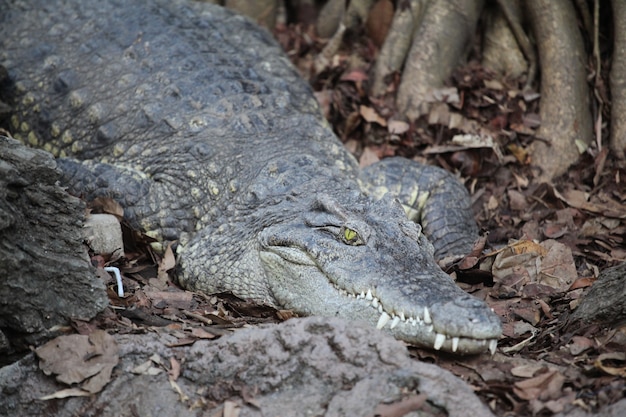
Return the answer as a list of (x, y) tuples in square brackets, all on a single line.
[(195, 121)]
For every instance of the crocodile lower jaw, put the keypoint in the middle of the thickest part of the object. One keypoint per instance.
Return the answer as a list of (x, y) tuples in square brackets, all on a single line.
[(441, 340)]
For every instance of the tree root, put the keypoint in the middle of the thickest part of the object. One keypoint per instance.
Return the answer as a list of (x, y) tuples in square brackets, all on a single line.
[(566, 119), (396, 47), (438, 45), (618, 81)]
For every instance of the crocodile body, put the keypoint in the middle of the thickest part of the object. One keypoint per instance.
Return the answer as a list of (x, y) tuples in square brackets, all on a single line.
[(195, 121)]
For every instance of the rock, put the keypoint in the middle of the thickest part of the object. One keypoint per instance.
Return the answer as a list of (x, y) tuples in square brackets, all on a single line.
[(304, 367), (46, 278), (606, 300), (103, 233)]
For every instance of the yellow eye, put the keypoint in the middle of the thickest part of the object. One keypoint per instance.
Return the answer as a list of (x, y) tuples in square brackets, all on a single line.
[(351, 237)]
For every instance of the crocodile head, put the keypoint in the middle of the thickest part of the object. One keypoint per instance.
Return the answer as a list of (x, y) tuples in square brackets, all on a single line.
[(365, 260)]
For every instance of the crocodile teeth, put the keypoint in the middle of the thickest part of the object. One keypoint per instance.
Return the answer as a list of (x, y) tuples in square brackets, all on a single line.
[(427, 318), (395, 321), (384, 319), (368, 296), (375, 302), (362, 295), (439, 339), (493, 344), (402, 316), (455, 344)]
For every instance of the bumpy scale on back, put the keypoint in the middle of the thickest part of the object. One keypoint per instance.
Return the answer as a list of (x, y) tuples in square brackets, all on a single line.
[(197, 123)]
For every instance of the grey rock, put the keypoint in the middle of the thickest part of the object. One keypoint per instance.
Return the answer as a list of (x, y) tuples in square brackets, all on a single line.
[(303, 367), (103, 234), (46, 278)]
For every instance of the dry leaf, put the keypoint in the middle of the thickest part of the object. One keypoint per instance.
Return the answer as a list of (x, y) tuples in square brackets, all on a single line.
[(397, 127), (231, 409), (546, 386), (370, 115), (201, 333), (77, 359), (526, 371), (607, 361), (65, 393), (174, 371)]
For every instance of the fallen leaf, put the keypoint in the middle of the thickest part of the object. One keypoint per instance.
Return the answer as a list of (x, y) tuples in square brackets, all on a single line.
[(77, 359), (527, 370), (231, 409), (580, 344), (65, 393), (169, 260), (370, 115), (201, 333), (607, 363), (546, 386), (397, 127), (146, 368), (181, 395), (402, 407)]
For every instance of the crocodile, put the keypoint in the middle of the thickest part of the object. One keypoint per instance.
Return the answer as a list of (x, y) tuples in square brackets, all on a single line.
[(195, 121)]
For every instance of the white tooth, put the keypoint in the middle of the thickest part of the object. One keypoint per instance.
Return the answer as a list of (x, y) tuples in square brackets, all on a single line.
[(493, 344), (380, 308), (402, 316), (368, 296), (439, 339), (455, 344), (375, 302), (362, 295), (427, 318), (384, 319), (395, 321)]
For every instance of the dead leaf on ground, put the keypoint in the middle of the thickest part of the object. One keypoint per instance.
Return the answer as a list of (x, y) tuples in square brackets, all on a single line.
[(231, 409), (546, 386), (550, 263), (370, 115), (402, 407), (65, 393), (80, 359), (613, 363)]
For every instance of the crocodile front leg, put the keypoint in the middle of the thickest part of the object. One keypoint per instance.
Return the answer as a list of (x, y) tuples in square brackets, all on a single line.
[(149, 201), (430, 196)]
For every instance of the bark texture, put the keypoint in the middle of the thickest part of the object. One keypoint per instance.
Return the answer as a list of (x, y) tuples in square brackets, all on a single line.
[(397, 43), (46, 278), (618, 80), (606, 301), (566, 127), (438, 45)]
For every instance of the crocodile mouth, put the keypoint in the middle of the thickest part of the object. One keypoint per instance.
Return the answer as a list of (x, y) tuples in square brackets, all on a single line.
[(402, 325), (443, 318)]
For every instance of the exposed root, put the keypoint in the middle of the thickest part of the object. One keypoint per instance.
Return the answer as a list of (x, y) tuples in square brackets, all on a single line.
[(618, 80), (439, 43), (566, 123)]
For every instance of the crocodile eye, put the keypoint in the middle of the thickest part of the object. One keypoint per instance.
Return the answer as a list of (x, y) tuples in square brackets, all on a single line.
[(351, 237)]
